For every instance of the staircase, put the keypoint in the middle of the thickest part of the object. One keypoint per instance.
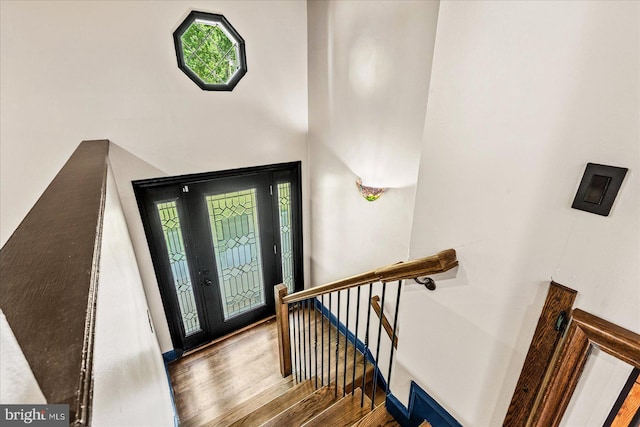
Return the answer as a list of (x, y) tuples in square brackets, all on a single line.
[(298, 407), (314, 401), (343, 394), (303, 405), (307, 402), (326, 378)]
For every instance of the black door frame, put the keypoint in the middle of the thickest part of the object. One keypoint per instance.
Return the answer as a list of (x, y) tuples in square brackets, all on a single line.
[(145, 189)]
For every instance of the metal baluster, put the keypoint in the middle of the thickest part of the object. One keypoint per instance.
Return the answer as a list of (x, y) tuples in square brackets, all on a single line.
[(337, 343), (346, 328), (375, 371), (315, 336), (299, 344), (393, 337), (355, 346), (293, 347), (309, 333), (304, 342), (366, 344), (322, 343), (291, 352), (329, 350)]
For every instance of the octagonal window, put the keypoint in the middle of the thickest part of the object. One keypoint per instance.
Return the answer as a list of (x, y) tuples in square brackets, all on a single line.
[(210, 51)]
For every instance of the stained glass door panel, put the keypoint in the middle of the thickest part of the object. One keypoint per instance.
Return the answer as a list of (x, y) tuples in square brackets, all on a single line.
[(177, 259), (286, 234), (233, 220)]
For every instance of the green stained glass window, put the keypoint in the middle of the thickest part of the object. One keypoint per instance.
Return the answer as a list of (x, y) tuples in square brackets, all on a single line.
[(236, 242), (286, 238), (170, 221), (210, 51)]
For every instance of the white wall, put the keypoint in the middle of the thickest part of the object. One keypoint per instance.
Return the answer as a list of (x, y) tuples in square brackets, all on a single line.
[(523, 95), (107, 69), (597, 391), (369, 67), (130, 383)]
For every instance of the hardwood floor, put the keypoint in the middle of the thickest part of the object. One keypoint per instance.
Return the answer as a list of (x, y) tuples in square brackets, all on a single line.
[(210, 382), (220, 384)]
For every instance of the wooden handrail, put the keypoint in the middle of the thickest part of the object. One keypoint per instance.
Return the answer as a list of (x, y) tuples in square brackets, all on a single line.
[(375, 304), (439, 263)]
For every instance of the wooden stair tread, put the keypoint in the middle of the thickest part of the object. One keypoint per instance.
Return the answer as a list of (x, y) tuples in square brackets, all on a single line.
[(270, 408), (379, 417), (215, 414), (358, 381), (244, 408), (425, 423), (381, 395), (305, 409), (343, 413)]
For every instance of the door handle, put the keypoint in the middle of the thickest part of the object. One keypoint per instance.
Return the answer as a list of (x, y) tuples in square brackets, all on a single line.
[(207, 282)]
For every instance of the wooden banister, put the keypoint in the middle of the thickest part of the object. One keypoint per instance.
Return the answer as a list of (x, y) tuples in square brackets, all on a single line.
[(284, 339), (439, 263)]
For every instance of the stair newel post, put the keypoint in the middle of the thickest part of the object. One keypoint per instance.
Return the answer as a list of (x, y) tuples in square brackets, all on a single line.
[(284, 339)]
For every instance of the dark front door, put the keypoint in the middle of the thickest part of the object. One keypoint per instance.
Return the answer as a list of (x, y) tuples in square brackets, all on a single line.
[(220, 242)]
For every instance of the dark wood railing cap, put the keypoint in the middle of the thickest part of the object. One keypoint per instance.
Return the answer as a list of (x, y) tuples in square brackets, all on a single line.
[(49, 279)]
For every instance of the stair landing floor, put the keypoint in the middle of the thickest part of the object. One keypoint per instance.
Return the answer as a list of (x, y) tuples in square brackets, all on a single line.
[(210, 382)]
